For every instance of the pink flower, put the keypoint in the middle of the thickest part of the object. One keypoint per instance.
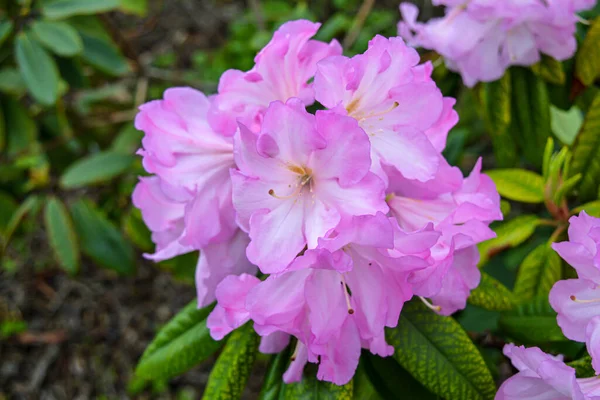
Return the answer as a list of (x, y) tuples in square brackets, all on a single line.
[(461, 211), (334, 299), (542, 376), (480, 39), (394, 101), (282, 71), (298, 178)]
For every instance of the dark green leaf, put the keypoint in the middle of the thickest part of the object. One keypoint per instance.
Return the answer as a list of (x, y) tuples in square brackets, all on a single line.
[(508, 234), (103, 55), (550, 69), (58, 37), (586, 153), (21, 130), (101, 240), (8, 206), (61, 235), (439, 354), (496, 99), (232, 369), (180, 345), (96, 168), (587, 62), (59, 9), (274, 377), (6, 27), (128, 140), (363, 387), (583, 367), (310, 388), (491, 295), (11, 81), (538, 273), (532, 323), (29, 206), (136, 230), (518, 184)]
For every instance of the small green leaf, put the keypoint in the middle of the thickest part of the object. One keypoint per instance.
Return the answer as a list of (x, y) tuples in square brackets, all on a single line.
[(310, 388), (11, 81), (532, 323), (180, 345), (232, 369), (550, 69), (6, 27), (518, 184), (61, 235), (566, 124), (128, 140), (58, 37), (591, 208), (538, 273), (508, 234), (586, 152), (21, 129), (496, 101), (587, 62), (491, 295), (137, 7), (101, 240), (583, 367), (136, 230), (37, 68), (439, 354), (96, 168), (103, 55), (59, 9), (8, 206), (29, 206)]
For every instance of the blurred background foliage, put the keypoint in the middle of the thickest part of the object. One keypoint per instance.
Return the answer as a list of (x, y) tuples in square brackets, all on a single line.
[(73, 72)]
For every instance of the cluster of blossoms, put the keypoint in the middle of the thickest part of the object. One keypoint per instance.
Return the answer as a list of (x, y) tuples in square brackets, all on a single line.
[(480, 39), (347, 212)]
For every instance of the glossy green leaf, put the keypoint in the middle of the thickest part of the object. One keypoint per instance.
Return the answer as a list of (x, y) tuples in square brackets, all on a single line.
[(103, 55), (58, 37), (508, 234), (6, 27), (592, 208), (180, 345), (496, 101), (491, 295), (530, 113), (310, 388), (532, 323), (566, 124), (61, 235), (38, 69), (95, 168), (21, 129), (538, 273), (583, 367), (587, 62), (550, 69), (100, 239), (59, 9), (230, 373), (518, 184), (586, 153), (437, 352), (11, 81)]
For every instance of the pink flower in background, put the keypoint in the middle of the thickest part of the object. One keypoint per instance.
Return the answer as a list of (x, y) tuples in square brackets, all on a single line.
[(461, 214), (282, 70), (542, 376), (480, 39), (298, 179), (577, 301), (394, 101)]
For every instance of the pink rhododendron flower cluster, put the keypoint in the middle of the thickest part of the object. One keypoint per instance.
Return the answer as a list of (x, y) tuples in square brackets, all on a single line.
[(480, 39), (577, 301), (542, 376), (347, 212)]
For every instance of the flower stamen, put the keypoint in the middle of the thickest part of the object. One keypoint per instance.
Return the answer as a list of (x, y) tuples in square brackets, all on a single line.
[(346, 295), (575, 299), (429, 305)]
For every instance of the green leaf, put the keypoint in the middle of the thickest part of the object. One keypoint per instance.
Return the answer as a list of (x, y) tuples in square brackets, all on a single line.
[(61, 235), (274, 376), (591, 208), (518, 184), (137, 7), (103, 55), (95, 168), (439, 354), (583, 367), (232, 369), (11, 81), (58, 37), (550, 69), (586, 153), (59, 9), (310, 388), (587, 62), (496, 101), (508, 234), (538, 273), (128, 140), (491, 295), (531, 113), (8, 206), (6, 27), (363, 387), (21, 129), (38, 69), (29, 206), (136, 230), (566, 124), (101, 240), (532, 323), (180, 345)]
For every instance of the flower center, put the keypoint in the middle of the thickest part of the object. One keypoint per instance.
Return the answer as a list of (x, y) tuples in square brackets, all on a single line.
[(304, 179)]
